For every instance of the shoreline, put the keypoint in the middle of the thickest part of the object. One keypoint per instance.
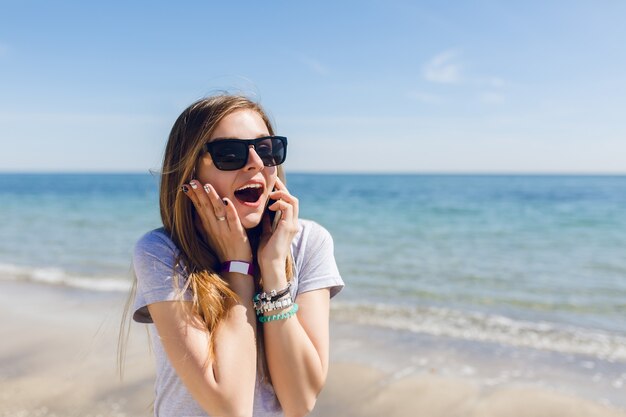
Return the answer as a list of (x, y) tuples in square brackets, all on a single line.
[(58, 357), (487, 365)]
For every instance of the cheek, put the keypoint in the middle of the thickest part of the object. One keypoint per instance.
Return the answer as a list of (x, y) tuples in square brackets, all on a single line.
[(221, 188), (219, 180), (271, 182)]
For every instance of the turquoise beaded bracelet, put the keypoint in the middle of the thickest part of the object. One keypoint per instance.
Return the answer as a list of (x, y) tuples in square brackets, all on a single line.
[(280, 316)]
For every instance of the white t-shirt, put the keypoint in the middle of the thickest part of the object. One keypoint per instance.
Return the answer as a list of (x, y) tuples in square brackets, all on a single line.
[(153, 260)]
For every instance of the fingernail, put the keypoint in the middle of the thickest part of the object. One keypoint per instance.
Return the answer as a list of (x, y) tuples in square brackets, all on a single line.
[(184, 188), (193, 185), (207, 188), (225, 201)]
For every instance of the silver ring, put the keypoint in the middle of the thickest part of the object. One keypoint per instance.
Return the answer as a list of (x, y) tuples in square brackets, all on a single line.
[(221, 218)]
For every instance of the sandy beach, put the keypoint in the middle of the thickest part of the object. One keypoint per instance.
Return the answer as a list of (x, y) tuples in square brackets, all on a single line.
[(58, 358)]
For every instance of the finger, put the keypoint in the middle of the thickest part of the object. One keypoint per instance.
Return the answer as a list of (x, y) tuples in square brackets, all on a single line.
[(285, 196), (296, 209), (231, 216), (202, 201), (281, 195), (202, 218), (204, 206), (280, 185), (200, 205), (285, 208), (217, 204), (188, 191)]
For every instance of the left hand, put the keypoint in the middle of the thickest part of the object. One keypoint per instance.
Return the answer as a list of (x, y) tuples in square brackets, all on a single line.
[(275, 247)]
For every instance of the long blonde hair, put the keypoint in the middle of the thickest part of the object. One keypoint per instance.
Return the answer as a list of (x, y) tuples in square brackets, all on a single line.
[(211, 295)]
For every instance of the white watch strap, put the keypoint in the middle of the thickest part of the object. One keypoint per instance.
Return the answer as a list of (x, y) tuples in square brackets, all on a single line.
[(240, 267)]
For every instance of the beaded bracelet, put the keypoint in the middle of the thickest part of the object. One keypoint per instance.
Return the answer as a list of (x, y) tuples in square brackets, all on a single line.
[(273, 294), (263, 304), (280, 316), (273, 305)]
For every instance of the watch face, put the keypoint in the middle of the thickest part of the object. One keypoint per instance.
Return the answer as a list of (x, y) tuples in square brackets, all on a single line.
[(238, 266)]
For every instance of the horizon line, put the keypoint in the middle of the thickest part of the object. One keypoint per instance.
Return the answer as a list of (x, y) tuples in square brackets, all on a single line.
[(481, 173)]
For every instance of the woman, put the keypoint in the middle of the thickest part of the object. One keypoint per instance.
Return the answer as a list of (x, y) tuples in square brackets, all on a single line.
[(240, 303)]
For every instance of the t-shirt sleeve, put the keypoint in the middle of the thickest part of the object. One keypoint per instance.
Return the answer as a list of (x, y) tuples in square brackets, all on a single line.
[(154, 257), (319, 269)]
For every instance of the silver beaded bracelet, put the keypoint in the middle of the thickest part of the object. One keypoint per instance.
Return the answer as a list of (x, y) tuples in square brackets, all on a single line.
[(266, 306), (273, 294)]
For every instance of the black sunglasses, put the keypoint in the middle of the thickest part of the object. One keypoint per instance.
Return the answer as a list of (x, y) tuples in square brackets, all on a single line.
[(232, 154)]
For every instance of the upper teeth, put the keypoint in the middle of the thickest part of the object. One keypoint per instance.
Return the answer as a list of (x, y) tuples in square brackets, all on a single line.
[(249, 186)]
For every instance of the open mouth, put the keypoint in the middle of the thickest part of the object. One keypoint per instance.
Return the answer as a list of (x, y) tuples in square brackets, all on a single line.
[(249, 193)]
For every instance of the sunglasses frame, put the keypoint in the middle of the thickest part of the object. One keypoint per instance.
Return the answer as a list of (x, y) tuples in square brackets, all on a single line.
[(208, 147)]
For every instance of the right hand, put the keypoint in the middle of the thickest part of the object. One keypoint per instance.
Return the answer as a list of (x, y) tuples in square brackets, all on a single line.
[(226, 236)]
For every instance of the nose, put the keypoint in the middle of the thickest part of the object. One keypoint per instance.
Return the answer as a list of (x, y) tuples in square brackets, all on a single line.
[(254, 160)]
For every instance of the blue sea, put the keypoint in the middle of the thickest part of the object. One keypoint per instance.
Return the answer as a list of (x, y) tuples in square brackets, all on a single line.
[(527, 261)]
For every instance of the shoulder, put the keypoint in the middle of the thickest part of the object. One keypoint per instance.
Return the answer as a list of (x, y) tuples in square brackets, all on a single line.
[(313, 252), (156, 243), (157, 271), (310, 238), (154, 251), (311, 232)]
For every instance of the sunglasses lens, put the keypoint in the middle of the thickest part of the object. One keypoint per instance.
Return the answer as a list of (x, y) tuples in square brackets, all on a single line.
[(271, 151), (229, 156)]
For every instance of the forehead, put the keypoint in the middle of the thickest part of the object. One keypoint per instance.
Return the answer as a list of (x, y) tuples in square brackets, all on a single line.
[(240, 124)]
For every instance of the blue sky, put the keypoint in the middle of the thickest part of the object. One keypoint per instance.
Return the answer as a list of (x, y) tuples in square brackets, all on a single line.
[(363, 86)]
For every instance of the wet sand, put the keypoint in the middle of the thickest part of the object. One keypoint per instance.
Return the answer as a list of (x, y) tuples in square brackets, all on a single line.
[(58, 358)]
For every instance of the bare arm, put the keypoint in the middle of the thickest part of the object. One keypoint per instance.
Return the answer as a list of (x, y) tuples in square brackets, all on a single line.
[(297, 353), (223, 386), (296, 348)]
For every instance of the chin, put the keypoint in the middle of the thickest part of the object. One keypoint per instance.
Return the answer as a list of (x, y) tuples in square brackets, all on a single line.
[(251, 221)]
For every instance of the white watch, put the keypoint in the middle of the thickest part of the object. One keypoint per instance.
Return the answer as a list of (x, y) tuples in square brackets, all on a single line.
[(240, 267)]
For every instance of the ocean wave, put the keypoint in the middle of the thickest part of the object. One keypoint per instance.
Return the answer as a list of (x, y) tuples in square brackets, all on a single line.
[(487, 328), (57, 276)]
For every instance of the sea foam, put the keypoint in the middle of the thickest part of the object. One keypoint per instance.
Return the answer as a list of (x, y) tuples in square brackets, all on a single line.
[(483, 327), (57, 276)]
